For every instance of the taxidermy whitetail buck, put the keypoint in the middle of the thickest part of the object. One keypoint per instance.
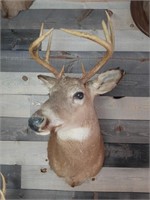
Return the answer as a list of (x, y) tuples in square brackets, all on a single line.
[(75, 147), (11, 8)]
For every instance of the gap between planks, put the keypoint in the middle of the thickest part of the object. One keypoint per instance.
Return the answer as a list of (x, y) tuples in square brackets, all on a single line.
[(108, 180)]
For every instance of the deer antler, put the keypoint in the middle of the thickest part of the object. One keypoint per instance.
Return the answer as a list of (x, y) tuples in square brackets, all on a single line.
[(3, 190), (107, 44), (33, 50)]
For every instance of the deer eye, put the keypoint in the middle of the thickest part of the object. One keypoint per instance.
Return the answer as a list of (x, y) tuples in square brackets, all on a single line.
[(78, 95)]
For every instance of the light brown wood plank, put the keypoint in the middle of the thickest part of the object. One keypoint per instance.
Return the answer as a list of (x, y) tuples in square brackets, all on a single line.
[(108, 180), (133, 108)]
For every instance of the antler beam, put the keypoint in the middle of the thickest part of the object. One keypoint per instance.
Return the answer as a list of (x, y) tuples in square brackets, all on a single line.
[(108, 44), (33, 50)]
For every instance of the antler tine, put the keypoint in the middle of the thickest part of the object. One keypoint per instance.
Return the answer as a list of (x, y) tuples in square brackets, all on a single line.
[(33, 50), (108, 44), (47, 56), (110, 26)]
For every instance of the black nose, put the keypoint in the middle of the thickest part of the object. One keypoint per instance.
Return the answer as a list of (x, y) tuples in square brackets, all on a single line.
[(35, 122)]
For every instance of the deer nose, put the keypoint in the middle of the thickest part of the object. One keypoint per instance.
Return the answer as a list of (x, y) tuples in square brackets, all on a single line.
[(35, 122)]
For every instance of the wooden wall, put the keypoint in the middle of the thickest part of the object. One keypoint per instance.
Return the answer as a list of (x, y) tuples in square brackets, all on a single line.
[(123, 113)]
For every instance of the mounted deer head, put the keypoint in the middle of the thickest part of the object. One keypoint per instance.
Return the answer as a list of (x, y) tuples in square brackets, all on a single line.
[(11, 8), (75, 147)]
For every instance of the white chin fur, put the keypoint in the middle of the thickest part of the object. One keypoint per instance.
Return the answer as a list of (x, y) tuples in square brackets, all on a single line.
[(43, 133), (77, 134)]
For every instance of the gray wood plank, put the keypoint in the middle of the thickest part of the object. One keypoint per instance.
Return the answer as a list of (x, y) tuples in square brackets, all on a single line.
[(114, 131), (12, 174), (127, 108), (17, 39), (67, 195), (125, 180), (58, 18), (135, 65), (131, 62), (125, 40), (80, 4), (20, 61), (14, 83)]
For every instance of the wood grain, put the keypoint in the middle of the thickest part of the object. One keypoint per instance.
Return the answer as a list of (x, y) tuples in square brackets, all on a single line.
[(78, 19), (28, 83), (35, 153), (20, 61), (126, 180), (133, 108), (71, 4), (67, 195), (114, 131), (125, 40)]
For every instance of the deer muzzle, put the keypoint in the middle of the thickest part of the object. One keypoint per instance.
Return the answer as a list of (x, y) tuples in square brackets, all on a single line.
[(38, 123)]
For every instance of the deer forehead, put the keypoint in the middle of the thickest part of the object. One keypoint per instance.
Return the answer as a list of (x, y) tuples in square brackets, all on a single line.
[(68, 86), (69, 83)]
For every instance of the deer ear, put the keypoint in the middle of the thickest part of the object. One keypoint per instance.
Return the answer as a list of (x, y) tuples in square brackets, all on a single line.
[(47, 80), (106, 81)]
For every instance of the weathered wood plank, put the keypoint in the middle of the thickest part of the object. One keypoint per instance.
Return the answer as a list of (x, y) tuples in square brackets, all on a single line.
[(42, 194), (18, 153), (78, 19), (133, 108), (15, 106), (125, 40), (114, 131), (17, 39), (68, 195), (12, 174), (125, 108), (35, 153), (79, 4), (125, 179), (28, 83), (131, 62), (122, 131)]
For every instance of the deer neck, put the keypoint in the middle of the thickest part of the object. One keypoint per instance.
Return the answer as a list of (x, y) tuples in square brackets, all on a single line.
[(75, 134), (79, 131)]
